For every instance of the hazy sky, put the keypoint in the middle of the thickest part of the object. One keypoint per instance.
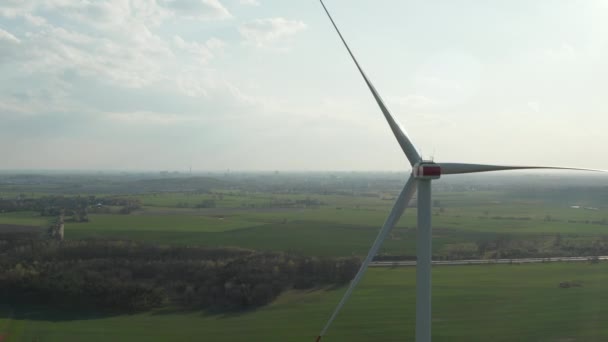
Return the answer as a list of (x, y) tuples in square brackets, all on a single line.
[(265, 85)]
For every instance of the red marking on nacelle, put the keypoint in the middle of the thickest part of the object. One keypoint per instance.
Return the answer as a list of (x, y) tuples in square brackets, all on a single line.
[(431, 170), (427, 171)]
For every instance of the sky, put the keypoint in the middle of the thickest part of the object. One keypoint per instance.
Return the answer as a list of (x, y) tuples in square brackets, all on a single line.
[(267, 85)]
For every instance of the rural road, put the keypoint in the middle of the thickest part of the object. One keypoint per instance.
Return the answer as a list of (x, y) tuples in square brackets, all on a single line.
[(487, 261)]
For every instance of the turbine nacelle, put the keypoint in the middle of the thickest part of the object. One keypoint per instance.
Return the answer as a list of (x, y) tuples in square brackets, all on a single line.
[(426, 170)]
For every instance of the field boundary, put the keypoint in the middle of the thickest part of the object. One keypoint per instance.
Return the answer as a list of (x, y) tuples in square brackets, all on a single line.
[(491, 261)]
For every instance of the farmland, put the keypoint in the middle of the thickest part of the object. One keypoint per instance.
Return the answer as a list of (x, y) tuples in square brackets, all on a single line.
[(471, 303), (329, 215), (255, 220)]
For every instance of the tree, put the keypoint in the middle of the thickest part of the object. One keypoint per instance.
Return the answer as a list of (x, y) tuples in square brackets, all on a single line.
[(558, 240)]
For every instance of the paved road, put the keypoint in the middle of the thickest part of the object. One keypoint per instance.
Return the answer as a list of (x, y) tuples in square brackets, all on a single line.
[(488, 261)]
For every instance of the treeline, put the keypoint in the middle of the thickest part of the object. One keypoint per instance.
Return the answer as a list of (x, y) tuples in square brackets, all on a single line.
[(116, 184), (126, 276), (542, 246), (284, 203), (74, 208), (510, 247), (547, 218), (47, 205)]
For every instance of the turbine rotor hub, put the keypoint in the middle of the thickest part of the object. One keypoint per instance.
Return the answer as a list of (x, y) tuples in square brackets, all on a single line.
[(426, 170)]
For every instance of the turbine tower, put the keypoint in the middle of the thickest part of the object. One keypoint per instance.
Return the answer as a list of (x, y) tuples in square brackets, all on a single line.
[(423, 172)]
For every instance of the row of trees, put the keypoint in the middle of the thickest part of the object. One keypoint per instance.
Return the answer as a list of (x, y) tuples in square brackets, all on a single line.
[(126, 276), (541, 246), (510, 247), (47, 205), (74, 208)]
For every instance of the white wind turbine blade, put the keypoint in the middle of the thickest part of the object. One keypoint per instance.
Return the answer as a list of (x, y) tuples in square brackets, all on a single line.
[(398, 208), (406, 145), (459, 168)]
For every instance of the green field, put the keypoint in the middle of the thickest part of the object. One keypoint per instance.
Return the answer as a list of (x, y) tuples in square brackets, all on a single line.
[(470, 303), (342, 226), (25, 218)]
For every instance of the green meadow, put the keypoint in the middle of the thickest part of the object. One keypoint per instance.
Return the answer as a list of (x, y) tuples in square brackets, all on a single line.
[(340, 226), (24, 218), (470, 303)]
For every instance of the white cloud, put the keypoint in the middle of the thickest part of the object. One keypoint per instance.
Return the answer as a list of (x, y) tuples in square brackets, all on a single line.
[(202, 52), (34, 20), (116, 12), (197, 9), (46, 95), (215, 44), (8, 37), (107, 40), (561, 53), (85, 70), (265, 32), (113, 41), (249, 2), (11, 107), (115, 47), (134, 60), (191, 84), (413, 101), (146, 117), (9, 46), (534, 106), (99, 13), (440, 83)]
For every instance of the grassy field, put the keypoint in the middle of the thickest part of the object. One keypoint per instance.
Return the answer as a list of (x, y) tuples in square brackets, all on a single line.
[(24, 218), (160, 223), (470, 303), (343, 226)]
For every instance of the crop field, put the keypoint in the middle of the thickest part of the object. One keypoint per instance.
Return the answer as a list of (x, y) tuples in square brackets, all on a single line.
[(340, 226), (337, 226), (23, 218), (470, 303)]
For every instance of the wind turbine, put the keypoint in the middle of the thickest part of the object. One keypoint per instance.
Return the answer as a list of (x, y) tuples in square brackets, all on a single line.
[(423, 172)]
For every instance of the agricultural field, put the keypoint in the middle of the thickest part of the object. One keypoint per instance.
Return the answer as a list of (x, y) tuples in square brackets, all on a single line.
[(340, 225), (329, 216), (325, 216), (24, 218), (470, 303)]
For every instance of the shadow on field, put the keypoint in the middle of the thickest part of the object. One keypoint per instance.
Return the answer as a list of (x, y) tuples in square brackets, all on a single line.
[(53, 314), (226, 314), (220, 312), (330, 288), (40, 313)]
